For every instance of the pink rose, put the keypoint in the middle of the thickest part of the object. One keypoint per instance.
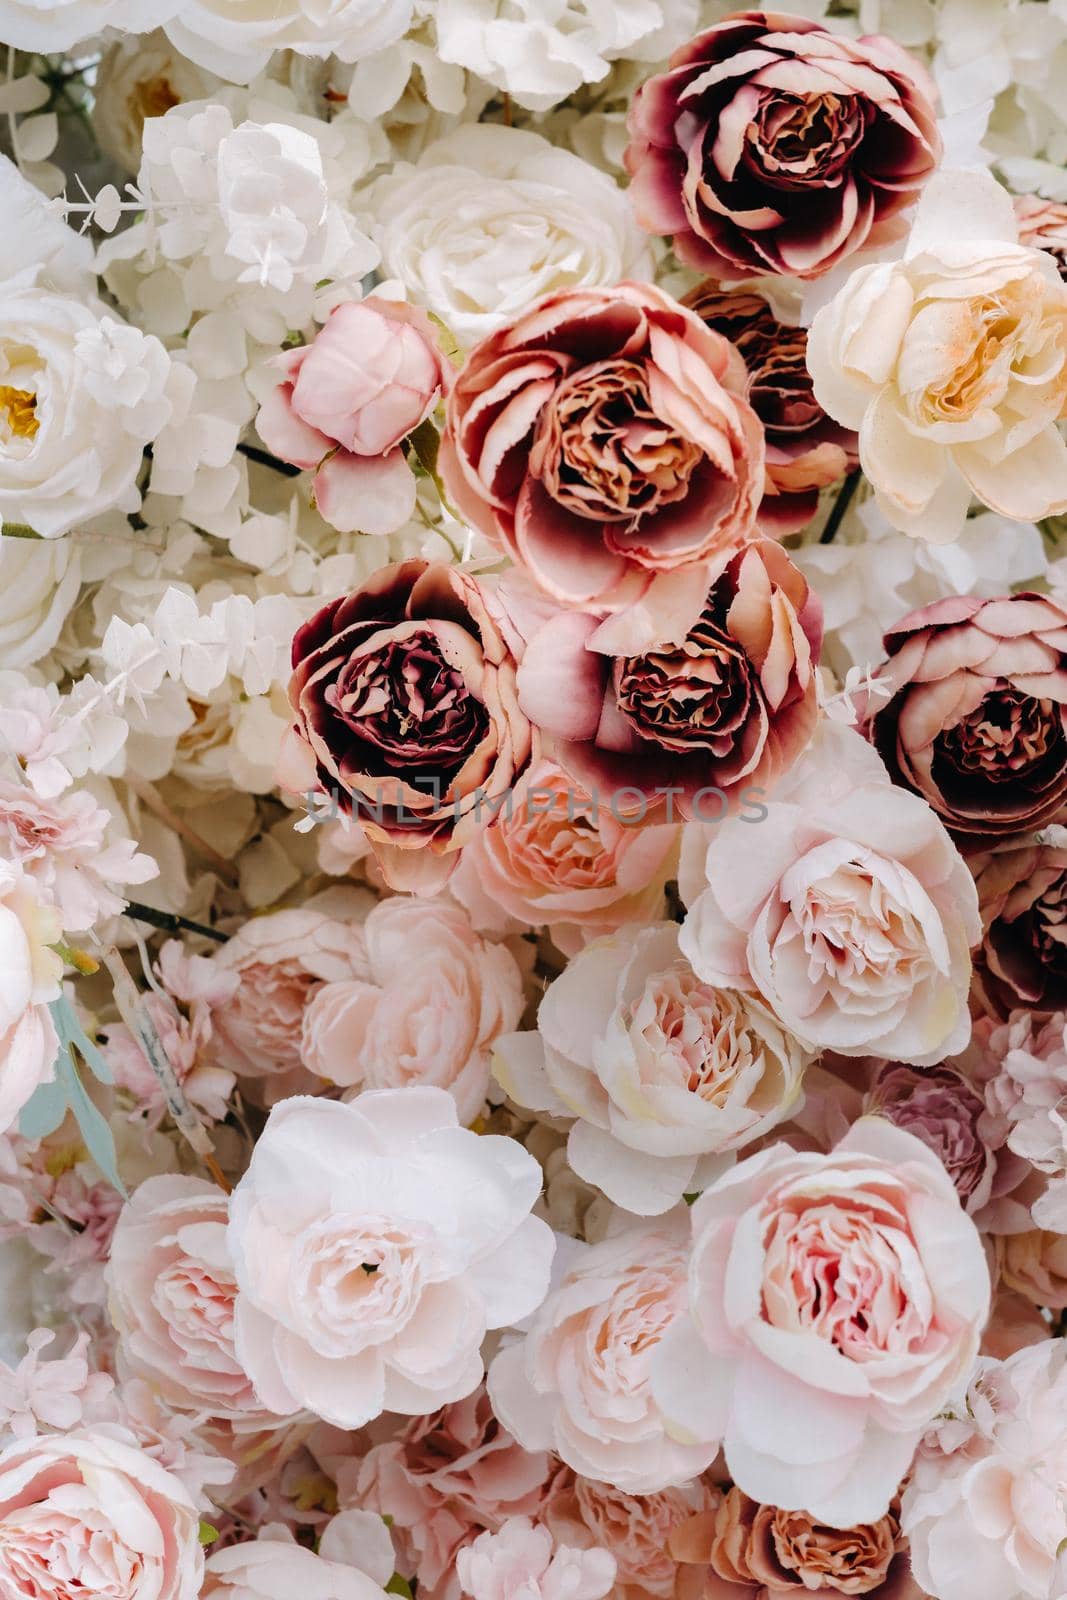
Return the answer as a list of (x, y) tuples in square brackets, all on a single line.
[(88, 1513), (559, 859), (1043, 226), (835, 1302), (602, 439), (848, 908), (372, 373), (427, 1008), (444, 1479), (521, 1562), (637, 1529), (1022, 892), (718, 695), (171, 1294), (346, 1566), (771, 145), (374, 1244), (579, 1382)]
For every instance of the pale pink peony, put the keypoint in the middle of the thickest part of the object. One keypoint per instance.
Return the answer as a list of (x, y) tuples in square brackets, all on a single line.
[(848, 908), (88, 1513), (281, 960), (663, 1073), (579, 1382), (637, 1529), (558, 858), (984, 1509), (32, 973), (374, 1244), (1030, 1093), (521, 1562), (171, 1293), (443, 1480), (835, 1302), (431, 1000), (372, 373), (346, 1566)]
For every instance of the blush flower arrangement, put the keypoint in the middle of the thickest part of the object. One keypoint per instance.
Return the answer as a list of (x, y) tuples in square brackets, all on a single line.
[(533, 800)]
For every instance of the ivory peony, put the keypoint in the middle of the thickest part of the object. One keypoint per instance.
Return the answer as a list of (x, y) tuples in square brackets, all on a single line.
[(373, 1245)]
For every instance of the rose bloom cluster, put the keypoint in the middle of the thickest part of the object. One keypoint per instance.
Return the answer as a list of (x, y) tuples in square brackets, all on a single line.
[(533, 800)]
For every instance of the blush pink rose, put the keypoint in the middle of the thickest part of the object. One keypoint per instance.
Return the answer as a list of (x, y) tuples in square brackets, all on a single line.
[(274, 1567), (1043, 226), (522, 1562), (848, 908), (171, 1294), (431, 1001), (350, 397), (579, 1382), (91, 1513), (771, 145), (602, 439), (835, 1303), (558, 858), (374, 1244), (443, 1480), (637, 1529)]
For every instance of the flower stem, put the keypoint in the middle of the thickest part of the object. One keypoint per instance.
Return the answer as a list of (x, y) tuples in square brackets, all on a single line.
[(840, 506), (170, 922)]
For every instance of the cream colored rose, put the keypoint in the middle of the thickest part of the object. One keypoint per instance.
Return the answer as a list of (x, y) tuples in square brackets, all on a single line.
[(952, 366)]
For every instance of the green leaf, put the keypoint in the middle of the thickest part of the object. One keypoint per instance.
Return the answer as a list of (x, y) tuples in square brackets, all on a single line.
[(50, 1103), (426, 443), (399, 1585), (208, 1534), (19, 530)]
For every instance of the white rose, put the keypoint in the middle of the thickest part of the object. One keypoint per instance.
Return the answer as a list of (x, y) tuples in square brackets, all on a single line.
[(81, 394), (32, 971), (237, 40), (39, 583), (491, 218), (664, 1072), (540, 53), (952, 365), (140, 78), (47, 26)]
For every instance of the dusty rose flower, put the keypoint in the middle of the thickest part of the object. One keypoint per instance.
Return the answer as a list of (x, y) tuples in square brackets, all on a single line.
[(171, 1294), (521, 1562), (719, 697), (407, 713), (562, 860), (88, 1513), (1043, 226), (848, 909), (637, 1529), (431, 1001), (663, 1073), (770, 145), (806, 449), (1022, 893), (940, 1107), (975, 714), (443, 1480), (984, 1508), (280, 960), (771, 1554), (579, 1382), (602, 439), (405, 1239), (372, 373), (1034, 1264), (835, 1303)]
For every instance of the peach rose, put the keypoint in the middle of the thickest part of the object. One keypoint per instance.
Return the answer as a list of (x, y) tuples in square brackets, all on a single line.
[(637, 1529), (663, 1073), (579, 1382), (1043, 224), (560, 859), (602, 438), (372, 373), (835, 1302), (430, 1003), (1034, 1264), (848, 909), (88, 1513)]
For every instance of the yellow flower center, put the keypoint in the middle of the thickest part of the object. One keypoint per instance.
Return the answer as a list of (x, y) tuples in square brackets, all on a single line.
[(19, 409), (154, 97)]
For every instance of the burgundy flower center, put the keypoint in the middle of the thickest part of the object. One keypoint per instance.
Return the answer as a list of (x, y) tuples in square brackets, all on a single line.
[(793, 138), (1049, 922), (698, 694), (406, 700), (602, 451), (1008, 733), (780, 390)]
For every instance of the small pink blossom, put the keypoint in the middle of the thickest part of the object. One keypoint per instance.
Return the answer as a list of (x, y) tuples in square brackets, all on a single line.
[(522, 1563), (51, 1394)]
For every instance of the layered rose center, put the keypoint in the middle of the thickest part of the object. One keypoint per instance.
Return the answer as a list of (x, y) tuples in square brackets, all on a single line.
[(557, 851), (1003, 737), (696, 1036), (356, 1280), (63, 1548), (940, 1108), (795, 138), (601, 450), (1049, 918), (699, 693), (407, 701), (846, 1272), (198, 1311), (846, 1561), (852, 929)]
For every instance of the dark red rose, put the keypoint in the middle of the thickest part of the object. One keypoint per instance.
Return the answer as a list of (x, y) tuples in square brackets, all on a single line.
[(770, 145)]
